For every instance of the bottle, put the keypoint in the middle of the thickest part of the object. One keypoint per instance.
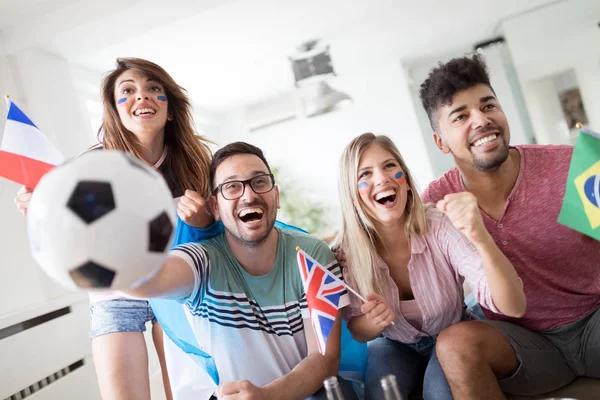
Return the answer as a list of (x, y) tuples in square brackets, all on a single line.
[(332, 387), (390, 388)]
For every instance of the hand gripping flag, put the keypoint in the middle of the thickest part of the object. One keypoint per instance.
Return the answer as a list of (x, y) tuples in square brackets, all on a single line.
[(581, 204), (26, 154), (325, 295)]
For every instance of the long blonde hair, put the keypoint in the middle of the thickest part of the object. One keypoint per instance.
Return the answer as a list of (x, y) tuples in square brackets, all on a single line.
[(359, 236), (188, 156)]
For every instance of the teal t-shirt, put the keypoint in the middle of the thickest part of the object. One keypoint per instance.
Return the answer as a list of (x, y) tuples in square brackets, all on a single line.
[(251, 325)]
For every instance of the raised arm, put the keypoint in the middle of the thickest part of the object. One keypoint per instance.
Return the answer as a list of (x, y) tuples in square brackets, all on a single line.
[(501, 284), (174, 280)]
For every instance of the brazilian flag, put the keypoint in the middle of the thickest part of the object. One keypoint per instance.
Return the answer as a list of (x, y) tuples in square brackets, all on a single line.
[(581, 205)]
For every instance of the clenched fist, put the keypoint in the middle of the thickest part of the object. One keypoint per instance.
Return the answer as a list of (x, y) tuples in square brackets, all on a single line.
[(463, 212), (193, 210)]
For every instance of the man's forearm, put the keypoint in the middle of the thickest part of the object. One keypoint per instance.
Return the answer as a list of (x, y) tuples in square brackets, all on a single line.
[(305, 379), (174, 280), (504, 283)]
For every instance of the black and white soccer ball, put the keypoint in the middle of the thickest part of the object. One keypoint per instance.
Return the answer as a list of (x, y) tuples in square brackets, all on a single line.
[(104, 220)]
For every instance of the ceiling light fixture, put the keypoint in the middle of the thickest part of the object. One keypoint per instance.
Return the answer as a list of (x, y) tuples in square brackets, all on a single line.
[(312, 67)]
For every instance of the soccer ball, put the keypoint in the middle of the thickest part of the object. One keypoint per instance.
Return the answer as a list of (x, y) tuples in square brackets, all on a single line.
[(102, 221)]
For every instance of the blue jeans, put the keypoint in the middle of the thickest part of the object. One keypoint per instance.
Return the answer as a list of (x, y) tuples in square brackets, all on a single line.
[(412, 364)]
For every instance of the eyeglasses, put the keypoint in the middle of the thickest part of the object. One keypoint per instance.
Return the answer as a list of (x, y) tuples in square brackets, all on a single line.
[(235, 189)]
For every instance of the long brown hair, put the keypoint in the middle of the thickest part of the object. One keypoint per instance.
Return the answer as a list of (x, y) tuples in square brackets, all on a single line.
[(359, 236), (188, 158)]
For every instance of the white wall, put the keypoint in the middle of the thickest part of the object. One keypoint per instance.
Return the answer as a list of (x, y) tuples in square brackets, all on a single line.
[(418, 72), (505, 82), (52, 100), (41, 85), (310, 148), (549, 41)]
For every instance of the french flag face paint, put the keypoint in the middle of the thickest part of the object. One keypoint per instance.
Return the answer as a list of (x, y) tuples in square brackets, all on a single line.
[(400, 177), (162, 97), (363, 188)]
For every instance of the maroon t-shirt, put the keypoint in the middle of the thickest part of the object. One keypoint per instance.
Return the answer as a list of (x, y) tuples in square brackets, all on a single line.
[(559, 266)]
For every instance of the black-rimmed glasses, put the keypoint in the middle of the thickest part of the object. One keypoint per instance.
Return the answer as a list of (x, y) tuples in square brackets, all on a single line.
[(232, 190)]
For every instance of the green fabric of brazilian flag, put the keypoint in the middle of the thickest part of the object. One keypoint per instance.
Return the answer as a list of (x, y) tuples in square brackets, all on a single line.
[(581, 205)]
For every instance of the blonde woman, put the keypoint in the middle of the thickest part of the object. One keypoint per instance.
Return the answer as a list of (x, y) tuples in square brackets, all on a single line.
[(410, 261)]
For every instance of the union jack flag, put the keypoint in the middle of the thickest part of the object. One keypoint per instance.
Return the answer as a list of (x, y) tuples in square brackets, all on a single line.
[(325, 294)]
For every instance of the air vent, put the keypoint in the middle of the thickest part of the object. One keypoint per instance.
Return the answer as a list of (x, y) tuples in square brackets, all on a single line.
[(49, 380), (272, 111), (33, 322)]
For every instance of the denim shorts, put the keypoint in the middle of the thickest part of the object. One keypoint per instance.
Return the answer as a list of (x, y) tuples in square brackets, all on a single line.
[(119, 315)]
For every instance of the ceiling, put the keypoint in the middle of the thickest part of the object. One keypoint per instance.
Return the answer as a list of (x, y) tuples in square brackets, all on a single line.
[(232, 52)]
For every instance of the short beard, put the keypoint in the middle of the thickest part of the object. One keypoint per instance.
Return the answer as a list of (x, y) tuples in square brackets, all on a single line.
[(492, 164), (252, 243), (486, 164), (249, 243)]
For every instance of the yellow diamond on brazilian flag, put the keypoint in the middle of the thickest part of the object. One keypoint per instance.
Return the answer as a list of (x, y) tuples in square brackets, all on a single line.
[(581, 204)]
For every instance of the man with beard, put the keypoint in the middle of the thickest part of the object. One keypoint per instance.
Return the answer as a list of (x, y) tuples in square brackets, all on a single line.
[(519, 191), (243, 290)]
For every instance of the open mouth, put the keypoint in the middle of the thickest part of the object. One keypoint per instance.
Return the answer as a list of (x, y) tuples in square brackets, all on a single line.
[(484, 140), (250, 214), (386, 198), (144, 111)]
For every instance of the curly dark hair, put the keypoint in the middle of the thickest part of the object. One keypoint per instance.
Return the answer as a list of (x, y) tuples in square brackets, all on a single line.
[(446, 79)]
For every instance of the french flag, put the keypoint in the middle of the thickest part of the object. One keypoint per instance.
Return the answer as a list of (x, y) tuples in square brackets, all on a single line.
[(26, 154)]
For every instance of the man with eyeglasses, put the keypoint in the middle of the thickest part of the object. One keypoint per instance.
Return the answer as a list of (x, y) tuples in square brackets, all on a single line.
[(244, 292)]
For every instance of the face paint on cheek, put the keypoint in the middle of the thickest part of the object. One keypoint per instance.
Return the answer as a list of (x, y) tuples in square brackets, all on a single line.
[(400, 177), (122, 100), (363, 188), (162, 98)]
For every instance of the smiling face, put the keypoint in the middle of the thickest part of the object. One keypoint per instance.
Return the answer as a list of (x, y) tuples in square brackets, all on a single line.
[(474, 129), (250, 218), (141, 103), (382, 185)]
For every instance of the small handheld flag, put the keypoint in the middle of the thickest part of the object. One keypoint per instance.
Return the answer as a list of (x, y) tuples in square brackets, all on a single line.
[(325, 295), (26, 154), (581, 204)]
